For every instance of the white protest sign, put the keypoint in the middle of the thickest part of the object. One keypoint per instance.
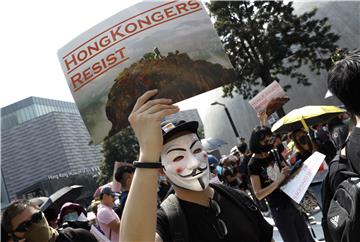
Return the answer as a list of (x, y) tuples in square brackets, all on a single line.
[(269, 99), (298, 185), (168, 45)]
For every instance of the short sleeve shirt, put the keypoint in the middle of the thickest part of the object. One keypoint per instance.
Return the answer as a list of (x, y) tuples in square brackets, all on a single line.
[(268, 171), (200, 223), (106, 215)]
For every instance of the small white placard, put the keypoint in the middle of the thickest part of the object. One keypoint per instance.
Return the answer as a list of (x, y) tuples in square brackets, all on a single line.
[(297, 186)]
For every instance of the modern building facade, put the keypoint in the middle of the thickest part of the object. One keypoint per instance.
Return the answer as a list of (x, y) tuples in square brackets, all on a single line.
[(45, 146)]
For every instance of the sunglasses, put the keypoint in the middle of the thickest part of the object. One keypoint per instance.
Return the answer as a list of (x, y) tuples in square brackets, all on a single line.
[(25, 226), (219, 226)]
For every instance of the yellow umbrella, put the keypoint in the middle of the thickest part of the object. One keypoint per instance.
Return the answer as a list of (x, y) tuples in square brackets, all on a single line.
[(305, 117)]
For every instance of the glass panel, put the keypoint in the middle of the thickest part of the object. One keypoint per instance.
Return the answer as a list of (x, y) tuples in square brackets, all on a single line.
[(31, 112), (20, 115), (37, 109), (26, 114)]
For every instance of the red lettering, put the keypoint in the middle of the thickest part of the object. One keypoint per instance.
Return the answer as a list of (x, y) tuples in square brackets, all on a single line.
[(76, 79), (193, 4), (87, 74), (104, 41), (157, 17), (91, 48), (73, 60), (104, 64), (116, 33), (169, 12), (111, 59), (141, 22), (120, 52), (181, 6), (85, 55), (96, 68), (128, 30)]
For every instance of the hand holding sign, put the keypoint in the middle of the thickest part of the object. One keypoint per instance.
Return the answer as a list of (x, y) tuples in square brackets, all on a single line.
[(270, 99), (296, 187)]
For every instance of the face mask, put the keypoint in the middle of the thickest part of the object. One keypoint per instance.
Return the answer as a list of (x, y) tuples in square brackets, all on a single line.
[(347, 121), (73, 216), (41, 232), (304, 140), (265, 148), (184, 166)]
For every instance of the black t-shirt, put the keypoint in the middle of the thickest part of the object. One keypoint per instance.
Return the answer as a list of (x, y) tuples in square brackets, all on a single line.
[(200, 222), (353, 149), (75, 235), (268, 170)]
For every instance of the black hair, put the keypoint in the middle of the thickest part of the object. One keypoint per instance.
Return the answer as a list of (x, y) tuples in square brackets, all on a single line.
[(242, 148), (121, 171), (15, 208), (296, 142), (344, 81), (258, 134)]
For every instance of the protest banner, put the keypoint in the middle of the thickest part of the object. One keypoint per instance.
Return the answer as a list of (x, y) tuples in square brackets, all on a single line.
[(297, 185), (171, 46), (270, 99)]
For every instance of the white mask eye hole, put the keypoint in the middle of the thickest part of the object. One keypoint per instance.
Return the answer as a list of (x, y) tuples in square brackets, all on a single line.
[(178, 158), (198, 150)]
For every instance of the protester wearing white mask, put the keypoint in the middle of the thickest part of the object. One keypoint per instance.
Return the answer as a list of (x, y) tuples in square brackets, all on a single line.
[(202, 212), (185, 162)]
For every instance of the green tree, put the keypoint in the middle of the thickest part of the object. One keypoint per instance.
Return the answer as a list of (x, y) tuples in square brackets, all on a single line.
[(120, 147), (265, 39)]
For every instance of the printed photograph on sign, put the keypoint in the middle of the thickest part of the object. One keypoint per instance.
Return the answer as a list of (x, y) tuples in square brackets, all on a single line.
[(171, 46)]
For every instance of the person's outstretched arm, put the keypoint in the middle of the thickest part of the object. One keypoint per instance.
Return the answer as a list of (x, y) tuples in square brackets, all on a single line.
[(262, 192), (138, 222)]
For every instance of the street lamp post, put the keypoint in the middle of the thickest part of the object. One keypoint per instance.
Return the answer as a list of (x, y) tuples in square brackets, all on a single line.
[(230, 119)]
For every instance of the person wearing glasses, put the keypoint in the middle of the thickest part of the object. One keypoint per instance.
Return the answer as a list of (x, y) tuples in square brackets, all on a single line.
[(267, 173), (203, 212), (23, 221)]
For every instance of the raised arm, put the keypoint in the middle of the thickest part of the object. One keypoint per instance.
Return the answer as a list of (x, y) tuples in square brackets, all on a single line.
[(138, 222)]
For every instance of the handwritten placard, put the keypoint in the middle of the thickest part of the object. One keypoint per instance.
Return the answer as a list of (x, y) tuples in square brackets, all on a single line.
[(269, 99), (297, 186)]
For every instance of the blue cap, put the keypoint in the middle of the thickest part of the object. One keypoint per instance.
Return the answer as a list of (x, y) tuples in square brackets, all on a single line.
[(212, 160)]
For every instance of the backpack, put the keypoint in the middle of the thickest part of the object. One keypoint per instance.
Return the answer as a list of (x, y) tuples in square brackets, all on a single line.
[(177, 221), (341, 202)]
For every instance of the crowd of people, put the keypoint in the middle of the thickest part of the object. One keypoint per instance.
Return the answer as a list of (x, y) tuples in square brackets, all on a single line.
[(176, 191)]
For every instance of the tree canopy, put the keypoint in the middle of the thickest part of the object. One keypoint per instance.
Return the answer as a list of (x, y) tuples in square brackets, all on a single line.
[(122, 146), (265, 39)]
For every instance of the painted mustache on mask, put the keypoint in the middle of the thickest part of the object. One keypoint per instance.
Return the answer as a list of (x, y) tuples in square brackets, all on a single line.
[(195, 172)]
